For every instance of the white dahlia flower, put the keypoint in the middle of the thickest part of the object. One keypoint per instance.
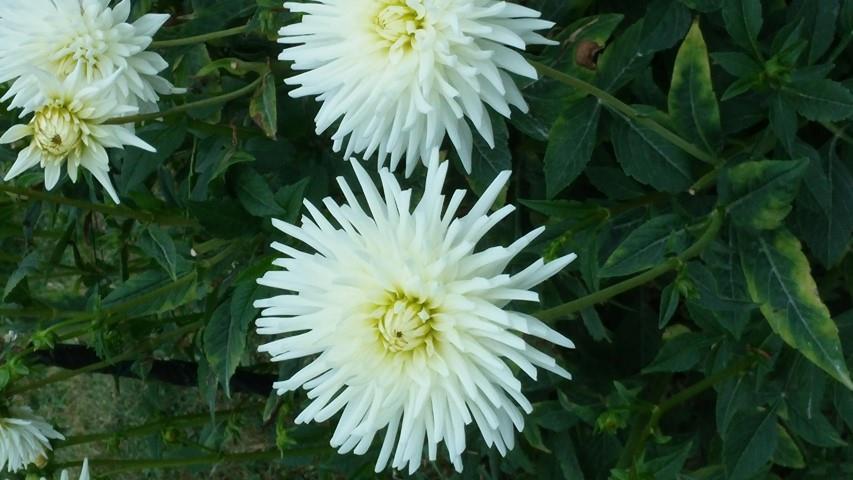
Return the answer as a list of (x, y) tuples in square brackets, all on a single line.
[(84, 473), (24, 439), (67, 129), (402, 74), (408, 322), (61, 36)]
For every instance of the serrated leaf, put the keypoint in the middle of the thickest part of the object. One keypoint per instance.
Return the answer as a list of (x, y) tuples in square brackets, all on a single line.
[(749, 444), (263, 108), (743, 19), (649, 158), (783, 120), (734, 396), (737, 64), (818, 20), (255, 195), (225, 334), (623, 59), (779, 280), (819, 100), (28, 265), (759, 195), (681, 353), (291, 197), (160, 247), (571, 144), (692, 101), (645, 247)]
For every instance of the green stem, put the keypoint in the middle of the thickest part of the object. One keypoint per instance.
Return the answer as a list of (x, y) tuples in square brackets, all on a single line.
[(119, 466), (69, 374), (842, 46), (205, 37), (207, 102), (626, 110), (838, 131), (713, 223), (637, 443), (109, 210), (185, 421)]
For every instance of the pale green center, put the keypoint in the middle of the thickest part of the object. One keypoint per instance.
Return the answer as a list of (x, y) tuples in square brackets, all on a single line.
[(86, 49), (397, 23), (56, 131), (405, 324)]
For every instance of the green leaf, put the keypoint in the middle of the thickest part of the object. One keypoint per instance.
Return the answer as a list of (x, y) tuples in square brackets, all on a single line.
[(743, 19), (159, 246), (737, 64), (263, 108), (759, 195), (823, 211), (669, 299), (779, 279), (664, 25), (28, 265), (487, 162), (735, 396), (819, 100), (651, 159), (137, 165), (646, 246), (692, 101), (787, 453), (623, 59), (152, 292), (225, 334), (668, 467), (705, 6), (291, 197), (818, 20), (571, 143), (681, 353), (255, 195), (749, 444), (783, 120)]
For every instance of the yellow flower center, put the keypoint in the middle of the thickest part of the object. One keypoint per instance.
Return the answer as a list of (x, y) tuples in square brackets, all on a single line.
[(397, 22), (56, 131), (405, 324)]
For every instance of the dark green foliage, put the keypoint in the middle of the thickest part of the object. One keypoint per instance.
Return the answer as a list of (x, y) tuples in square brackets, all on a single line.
[(705, 350)]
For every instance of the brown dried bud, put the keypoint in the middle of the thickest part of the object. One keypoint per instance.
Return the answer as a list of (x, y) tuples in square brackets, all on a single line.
[(586, 54)]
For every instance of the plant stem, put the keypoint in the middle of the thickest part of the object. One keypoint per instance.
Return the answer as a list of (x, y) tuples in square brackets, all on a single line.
[(185, 421), (714, 222), (205, 37), (207, 102), (838, 131), (119, 466), (626, 110), (110, 210), (637, 442), (69, 374)]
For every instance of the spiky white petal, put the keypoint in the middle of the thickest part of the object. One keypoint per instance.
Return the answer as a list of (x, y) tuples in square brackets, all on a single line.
[(61, 36), (24, 439), (400, 75), (68, 130), (406, 320)]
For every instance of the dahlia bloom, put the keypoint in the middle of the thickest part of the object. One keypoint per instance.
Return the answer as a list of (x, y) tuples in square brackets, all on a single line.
[(24, 439), (402, 74), (67, 129), (407, 323), (61, 36)]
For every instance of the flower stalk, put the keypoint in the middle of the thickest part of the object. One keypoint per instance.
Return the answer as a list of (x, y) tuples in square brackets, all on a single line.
[(205, 37)]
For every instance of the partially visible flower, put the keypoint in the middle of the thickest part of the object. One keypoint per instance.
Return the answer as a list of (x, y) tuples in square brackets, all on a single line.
[(24, 439), (67, 129), (61, 36), (84, 473), (407, 321), (399, 75)]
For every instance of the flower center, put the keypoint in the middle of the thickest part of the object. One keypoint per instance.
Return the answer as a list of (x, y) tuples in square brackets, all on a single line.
[(405, 324), (397, 22), (56, 130), (86, 49)]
